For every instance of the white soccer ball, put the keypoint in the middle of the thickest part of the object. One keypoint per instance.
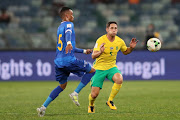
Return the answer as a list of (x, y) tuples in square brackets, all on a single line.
[(153, 44)]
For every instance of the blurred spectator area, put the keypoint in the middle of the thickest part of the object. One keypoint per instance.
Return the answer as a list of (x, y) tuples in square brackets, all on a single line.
[(33, 23)]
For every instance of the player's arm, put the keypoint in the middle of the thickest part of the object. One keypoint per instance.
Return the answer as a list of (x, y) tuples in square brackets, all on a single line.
[(68, 33), (85, 51), (128, 50), (132, 46), (97, 53)]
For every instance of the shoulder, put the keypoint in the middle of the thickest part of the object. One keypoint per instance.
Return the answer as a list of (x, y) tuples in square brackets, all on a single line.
[(101, 39), (68, 24), (119, 39)]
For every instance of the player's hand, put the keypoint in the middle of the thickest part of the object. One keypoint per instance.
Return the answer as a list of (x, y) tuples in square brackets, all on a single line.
[(102, 48), (133, 43), (68, 48), (88, 51)]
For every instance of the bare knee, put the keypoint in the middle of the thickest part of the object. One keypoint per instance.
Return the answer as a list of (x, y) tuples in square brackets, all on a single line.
[(119, 81), (95, 92), (117, 78), (94, 95), (63, 86)]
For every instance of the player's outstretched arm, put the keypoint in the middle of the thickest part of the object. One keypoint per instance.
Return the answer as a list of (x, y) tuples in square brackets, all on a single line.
[(132, 46), (88, 51), (85, 51)]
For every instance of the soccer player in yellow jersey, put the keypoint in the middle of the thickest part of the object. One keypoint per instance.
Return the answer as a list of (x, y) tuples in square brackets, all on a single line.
[(105, 52)]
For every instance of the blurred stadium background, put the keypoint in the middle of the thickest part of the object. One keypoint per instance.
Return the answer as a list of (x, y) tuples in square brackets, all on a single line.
[(33, 23), (27, 49)]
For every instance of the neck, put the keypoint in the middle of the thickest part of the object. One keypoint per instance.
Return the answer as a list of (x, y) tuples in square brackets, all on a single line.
[(65, 20), (111, 38)]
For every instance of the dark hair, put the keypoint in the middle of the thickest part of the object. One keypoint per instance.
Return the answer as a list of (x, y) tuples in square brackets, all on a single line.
[(111, 22), (63, 10)]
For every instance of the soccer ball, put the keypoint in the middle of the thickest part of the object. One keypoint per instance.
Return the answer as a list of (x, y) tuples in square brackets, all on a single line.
[(153, 44)]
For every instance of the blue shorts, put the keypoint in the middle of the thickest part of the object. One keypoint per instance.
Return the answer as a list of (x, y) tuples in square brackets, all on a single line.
[(78, 67)]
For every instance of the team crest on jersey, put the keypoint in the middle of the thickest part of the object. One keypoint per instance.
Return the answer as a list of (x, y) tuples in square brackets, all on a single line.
[(116, 47), (111, 48), (68, 25)]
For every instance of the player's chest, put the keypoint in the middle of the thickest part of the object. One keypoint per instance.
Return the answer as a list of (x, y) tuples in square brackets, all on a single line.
[(111, 48)]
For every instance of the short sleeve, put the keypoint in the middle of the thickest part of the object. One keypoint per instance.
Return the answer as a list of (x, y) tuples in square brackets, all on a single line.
[(97, 45), (69, 27), (123, 46)]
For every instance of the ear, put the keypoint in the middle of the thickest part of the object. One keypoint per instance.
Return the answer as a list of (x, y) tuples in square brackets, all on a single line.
[(107, 30), (66, 15)]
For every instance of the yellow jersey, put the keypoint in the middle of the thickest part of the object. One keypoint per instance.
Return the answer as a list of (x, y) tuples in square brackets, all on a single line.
[(107, 59)]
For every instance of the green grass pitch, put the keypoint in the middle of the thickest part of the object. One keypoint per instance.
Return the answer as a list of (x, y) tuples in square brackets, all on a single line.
[(137, 100)]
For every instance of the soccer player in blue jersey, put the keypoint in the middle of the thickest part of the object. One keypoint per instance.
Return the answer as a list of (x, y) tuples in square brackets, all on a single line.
[(66, 62)]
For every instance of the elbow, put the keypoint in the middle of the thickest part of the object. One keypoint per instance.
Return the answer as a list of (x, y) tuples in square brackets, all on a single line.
[(93, 57), (125, 53)]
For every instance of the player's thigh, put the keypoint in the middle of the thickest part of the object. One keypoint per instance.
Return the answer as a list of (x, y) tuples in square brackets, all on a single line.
[(79, 67), (114, 75), (61, 75), (98, 78)]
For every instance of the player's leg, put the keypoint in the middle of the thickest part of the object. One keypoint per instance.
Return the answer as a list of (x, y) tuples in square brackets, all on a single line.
[(85, 80), (51, 97), (92, 96), (96, 83), (82, 67), (54, 94), (61, 76), (115, 76)]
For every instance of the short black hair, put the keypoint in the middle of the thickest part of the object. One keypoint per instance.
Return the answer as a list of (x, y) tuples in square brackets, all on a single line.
[(63, 10), (110, 22)]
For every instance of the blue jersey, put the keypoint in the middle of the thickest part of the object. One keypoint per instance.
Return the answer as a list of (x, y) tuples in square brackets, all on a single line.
[(68, 63), (65, 33)]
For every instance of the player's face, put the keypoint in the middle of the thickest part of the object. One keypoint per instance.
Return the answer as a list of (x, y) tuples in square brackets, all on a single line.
[(112, 30), (71, 16)]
